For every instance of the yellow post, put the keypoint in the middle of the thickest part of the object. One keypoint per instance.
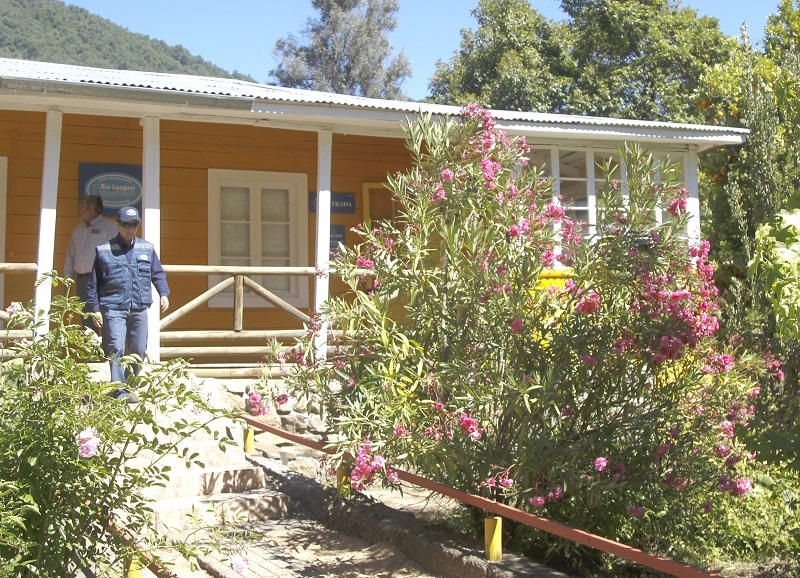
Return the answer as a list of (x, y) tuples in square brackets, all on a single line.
[(249, 440), (343, 480), (132, 569), (493, 529)]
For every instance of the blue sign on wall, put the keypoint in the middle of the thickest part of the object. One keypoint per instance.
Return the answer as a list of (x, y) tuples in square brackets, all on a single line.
[(117, 185), (337, 236), (340, 202)]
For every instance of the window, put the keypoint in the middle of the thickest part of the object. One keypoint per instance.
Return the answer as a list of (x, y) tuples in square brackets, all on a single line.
[(579, 176), (259, 219)]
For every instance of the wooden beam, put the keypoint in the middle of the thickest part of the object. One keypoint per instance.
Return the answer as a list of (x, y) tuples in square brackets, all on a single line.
[(200, 299), (275, 300)]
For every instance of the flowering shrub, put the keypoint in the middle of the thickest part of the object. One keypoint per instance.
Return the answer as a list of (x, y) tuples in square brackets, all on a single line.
[(604, 404), (72, 459)]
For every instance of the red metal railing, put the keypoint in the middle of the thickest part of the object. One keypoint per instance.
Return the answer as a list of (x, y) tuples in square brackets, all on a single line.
[(665, 565)]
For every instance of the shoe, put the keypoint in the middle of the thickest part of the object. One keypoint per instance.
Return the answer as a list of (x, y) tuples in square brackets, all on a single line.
[(124, 394)]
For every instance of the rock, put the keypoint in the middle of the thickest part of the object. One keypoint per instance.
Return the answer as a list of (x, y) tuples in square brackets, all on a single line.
[(295, 423)]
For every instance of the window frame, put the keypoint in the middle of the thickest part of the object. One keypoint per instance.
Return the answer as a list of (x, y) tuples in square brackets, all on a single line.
[(297, 185)]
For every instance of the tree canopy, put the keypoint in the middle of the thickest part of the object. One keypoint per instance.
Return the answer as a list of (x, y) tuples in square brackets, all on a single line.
[(614, 58), (345, 50)]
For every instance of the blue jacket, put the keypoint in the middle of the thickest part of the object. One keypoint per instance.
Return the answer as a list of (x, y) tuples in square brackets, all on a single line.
[(122, 275)]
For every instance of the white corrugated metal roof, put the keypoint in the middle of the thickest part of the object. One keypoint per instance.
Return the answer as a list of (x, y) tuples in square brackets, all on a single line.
[(260, 93)]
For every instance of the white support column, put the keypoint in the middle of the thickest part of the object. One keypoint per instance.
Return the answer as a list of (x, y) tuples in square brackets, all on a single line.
[(151, 214), (323, 234), (47, 216), (693, 201)]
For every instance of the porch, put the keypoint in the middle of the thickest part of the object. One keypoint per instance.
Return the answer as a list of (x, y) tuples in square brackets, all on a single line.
[(235, 352)]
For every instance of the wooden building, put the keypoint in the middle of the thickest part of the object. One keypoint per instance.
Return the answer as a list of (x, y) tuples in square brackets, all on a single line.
[(243, 184)]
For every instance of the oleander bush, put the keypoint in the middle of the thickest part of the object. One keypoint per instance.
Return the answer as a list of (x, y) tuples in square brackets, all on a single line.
[(606, 403), (73, 460)]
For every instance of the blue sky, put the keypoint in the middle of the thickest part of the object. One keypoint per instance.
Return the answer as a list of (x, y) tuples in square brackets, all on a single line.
[(240, 34)]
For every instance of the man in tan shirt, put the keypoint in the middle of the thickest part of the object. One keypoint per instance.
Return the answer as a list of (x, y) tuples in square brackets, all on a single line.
[(93, 230)]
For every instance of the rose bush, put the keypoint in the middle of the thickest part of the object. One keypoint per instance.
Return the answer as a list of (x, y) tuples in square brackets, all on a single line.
[(72, 459), (607, 404)]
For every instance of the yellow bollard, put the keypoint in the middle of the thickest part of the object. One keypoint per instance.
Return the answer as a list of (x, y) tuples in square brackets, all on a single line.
[(343, 480), (493, 529), (249, 440), (132, 569)]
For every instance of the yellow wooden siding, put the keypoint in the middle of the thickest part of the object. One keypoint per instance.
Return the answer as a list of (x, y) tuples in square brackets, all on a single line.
[(188, 150)]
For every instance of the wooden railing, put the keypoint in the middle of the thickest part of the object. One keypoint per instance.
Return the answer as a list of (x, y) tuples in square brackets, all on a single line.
[(239, 278), (13, 334), (192, 344)]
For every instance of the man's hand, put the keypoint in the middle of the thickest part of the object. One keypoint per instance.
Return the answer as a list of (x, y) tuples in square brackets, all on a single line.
[(97, 319), (164, 303)]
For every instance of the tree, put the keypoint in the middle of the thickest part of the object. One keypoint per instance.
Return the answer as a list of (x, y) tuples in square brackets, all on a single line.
[(619, 58), (746, 192), (345, 51), (516, 60), (641, 59)]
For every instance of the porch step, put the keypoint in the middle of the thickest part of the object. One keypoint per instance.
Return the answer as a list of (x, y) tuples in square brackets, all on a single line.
[(179, 514)]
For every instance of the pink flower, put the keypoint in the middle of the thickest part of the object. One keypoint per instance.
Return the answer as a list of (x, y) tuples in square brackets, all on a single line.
[(88, 443), (16, 308), (635, 511), (392, 476), (439, 194), (516, 325), (588, 360), (742, 487), (548, 258), (722, 451), (513, 231), (537, 501), (282, 399), (470, 426), (364, 263), (506, 482), (589, 304), (256, 404), (556, 494), (447, 175), (662, 450), (239, 563), (677, 207), (600, 464), (399, 431), (707, 507), (726, 427)]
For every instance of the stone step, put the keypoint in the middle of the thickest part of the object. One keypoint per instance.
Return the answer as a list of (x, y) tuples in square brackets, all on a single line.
[(194, 512), (184, 483)]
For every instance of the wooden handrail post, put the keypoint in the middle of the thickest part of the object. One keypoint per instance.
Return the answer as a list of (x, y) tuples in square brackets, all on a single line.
[(238, 302)]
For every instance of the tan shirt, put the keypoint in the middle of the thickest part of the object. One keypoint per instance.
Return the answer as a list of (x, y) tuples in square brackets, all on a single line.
[(80, 255)]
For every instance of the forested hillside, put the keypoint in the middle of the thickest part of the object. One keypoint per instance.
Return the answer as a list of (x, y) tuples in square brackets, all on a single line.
[(51, 31)]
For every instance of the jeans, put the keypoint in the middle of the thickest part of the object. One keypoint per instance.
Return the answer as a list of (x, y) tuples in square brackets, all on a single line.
[(80, 290), (123, 328)]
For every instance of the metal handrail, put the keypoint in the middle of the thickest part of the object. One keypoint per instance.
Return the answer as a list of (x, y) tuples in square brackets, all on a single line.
[(665, 565)]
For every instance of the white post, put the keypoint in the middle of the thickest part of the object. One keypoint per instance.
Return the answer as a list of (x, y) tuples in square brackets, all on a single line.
[(151, 214), (47, 217), (3, 219), (323, 236), (693, 201)]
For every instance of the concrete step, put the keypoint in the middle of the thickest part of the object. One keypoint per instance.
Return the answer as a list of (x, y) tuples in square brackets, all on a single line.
[(179, 514), (185, 483)]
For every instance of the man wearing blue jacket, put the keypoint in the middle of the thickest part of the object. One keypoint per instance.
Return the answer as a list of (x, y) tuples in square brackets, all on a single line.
[(119, 289)]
